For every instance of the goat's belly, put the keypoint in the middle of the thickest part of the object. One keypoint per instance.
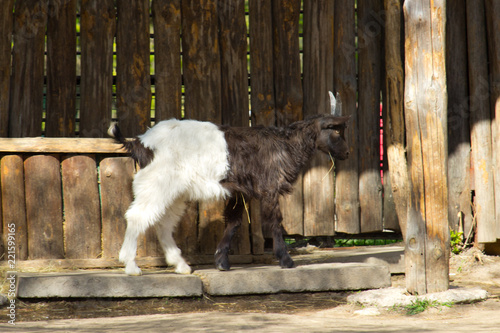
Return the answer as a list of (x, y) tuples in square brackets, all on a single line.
[(206, 191)]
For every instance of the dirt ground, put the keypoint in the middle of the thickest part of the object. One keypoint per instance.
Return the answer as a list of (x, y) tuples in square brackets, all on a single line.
[(471, 268)]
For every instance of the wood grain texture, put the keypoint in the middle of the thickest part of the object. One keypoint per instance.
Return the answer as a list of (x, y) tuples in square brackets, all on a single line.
[(82, 213), (42, 176), (97, 31), (167, 44), (116, 175), (14, 203), (427, 238), (59, 145), (26, 108), (61, 69), (6, 24), (133, 81)]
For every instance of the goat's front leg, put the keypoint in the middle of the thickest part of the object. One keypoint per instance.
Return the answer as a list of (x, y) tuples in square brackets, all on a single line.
[(233, 215), (271, 213)]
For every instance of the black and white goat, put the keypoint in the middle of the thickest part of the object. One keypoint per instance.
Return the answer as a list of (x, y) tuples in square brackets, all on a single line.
[(184, 160)]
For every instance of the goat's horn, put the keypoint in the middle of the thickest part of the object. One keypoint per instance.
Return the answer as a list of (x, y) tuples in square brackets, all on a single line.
[(335, 104)]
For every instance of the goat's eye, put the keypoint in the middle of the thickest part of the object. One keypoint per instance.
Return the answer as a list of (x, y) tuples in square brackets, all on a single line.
[(337, 132)]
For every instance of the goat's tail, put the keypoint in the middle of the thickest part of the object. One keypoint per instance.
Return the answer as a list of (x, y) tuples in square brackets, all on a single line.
[(140, 153)]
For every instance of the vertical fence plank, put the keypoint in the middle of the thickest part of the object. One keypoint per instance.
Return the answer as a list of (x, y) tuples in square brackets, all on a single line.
[(97, 30), (30, 18), (394, 125), (459, 192), (481, 137), (116, 175), (370, 71), (133, 83), (6, 22), (288, 91), (82, 232), (427, 239), (167, 44), (44, 207), (202, 81), (186, 233), (346, 181), (262, 95), (493, 19), (261, 63), (61, 68), (318, 182), (234, 83), (13, 202)]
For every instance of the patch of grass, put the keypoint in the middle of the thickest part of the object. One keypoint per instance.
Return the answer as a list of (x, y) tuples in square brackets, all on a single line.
[(456, 241), (420, 305)]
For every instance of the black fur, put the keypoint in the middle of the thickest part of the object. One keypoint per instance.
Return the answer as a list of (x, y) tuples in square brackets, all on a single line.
[(264, 164), (141, 154)]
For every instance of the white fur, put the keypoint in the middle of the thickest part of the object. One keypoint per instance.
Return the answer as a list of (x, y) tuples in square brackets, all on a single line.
[(190, 160)]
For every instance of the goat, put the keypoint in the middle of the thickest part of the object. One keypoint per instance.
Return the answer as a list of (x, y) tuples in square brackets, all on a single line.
[(184, 160)]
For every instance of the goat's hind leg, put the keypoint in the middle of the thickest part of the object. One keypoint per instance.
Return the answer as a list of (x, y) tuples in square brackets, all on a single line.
[(233, 215), (271, 213), (164, 230)]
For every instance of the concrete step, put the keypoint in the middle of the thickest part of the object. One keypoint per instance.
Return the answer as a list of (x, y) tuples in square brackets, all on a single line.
[(237, 281)]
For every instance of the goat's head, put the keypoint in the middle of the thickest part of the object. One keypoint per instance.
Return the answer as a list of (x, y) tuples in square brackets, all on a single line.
[(331, 138)]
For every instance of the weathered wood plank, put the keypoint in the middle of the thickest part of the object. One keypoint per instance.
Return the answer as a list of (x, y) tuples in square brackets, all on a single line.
[(60, 145), (427, 238), (346, 181), (44, 207), (61, 69), (394, 123), (202, 82), (318, 182), (263, 110), (14, 203), (133, 83), (459, 192), (234, 84), (167, 44), (26, 106), (6, 24), (369, 79), (493, 28), (288, 91), (116, 175), (82, 216), (287, 80), (97, 31), (480, 118), (186, 233), (261, 63)]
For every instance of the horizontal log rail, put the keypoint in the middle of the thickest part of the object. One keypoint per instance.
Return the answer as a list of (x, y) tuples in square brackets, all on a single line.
[(60, 145)]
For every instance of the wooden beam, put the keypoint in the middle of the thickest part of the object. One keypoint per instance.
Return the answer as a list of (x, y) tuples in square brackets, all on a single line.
[(427, 235), (60, 145)]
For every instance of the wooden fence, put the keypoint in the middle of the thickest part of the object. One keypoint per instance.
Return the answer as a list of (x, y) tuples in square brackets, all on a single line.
[(68, 67)]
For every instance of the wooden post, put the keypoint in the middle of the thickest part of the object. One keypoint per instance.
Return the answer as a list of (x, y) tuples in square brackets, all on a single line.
[(480, 119), (394, 123), (97, 31), (133, 83), (427, 234), (459, 191), (61, 69), (318, 183), (168, 77), (6, 21), (369, 80), (26, 105), (346, 181), (493, 27)]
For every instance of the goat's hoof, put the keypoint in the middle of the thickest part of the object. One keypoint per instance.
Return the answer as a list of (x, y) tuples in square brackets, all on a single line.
[(287, 262), (133, 270), (183, 268), (222, 261)]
